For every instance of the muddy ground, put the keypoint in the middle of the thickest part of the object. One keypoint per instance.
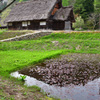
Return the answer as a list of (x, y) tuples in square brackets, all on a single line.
[(11, 89), (67, 69), (74, 69)]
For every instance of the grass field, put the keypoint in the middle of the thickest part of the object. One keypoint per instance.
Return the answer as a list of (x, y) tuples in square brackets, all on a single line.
[(2, 31), (16, 55), (74, 42), (17, 59)]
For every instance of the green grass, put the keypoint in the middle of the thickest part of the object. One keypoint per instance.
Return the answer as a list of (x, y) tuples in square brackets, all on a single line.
[(14, 60), (2, 31), (13, 33), (72, 42), (17, 55)]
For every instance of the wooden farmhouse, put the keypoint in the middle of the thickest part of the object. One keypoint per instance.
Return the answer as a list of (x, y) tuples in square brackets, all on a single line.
[(40, 14)]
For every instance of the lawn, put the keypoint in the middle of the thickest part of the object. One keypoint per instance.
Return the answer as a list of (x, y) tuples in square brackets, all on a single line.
[(16, 55)]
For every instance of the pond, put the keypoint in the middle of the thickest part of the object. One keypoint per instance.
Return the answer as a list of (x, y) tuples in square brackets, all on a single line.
[(73, 76)]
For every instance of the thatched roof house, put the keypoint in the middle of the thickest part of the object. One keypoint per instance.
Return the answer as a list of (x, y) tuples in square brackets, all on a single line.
[(40, 14)]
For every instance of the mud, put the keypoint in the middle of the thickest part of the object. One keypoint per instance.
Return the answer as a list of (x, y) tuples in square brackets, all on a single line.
[(77, 69)]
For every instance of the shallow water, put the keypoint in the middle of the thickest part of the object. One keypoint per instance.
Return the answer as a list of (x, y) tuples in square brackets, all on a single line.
[(90, 91), (72, 76)]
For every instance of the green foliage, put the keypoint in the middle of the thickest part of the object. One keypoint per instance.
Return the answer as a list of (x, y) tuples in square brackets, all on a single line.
[(4, 15), (89, 25), (92, 21), (22, 0), (97, 6), (65, 2), (19, 54), (22, 77), (84, 8), (97, 10), (79, 23), (36, 88), (2, 31), (14, 60)]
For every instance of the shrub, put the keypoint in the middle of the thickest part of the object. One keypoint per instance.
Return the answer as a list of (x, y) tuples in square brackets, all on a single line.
[(79, 23)]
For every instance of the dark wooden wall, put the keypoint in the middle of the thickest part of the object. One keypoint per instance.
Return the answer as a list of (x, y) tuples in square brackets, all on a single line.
[(58, 25), (35, 25), (15, 26)]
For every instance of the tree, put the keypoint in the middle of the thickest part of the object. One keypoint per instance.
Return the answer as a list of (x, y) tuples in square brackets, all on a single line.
[(79, 23), (71, 2), (93, 21), (68, 2), (97, 6), (65, 2), (97, 9), (84, 8)]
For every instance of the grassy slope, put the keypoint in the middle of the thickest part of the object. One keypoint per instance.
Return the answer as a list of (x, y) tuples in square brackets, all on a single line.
[(18, 54), (15, 60), (4, 34), (74, 42), (2, 31)]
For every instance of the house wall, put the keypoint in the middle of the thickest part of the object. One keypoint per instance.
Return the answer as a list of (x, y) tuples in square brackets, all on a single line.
[(68, 25), (15, 26), (35, 25), (58, 25)]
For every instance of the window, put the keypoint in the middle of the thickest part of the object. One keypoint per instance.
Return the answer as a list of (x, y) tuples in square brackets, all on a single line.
[(9, 24), (24, 23), (42, 23), (29, 23)]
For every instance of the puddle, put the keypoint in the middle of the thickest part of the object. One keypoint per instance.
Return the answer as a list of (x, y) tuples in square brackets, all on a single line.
[(91, 91), (73, 77)]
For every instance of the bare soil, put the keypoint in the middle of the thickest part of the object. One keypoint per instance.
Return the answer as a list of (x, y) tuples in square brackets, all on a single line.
[(12, 90)]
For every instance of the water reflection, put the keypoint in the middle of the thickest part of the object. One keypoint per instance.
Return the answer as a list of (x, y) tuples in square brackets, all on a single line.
[(72, 76), (73, 92), (62, 72)]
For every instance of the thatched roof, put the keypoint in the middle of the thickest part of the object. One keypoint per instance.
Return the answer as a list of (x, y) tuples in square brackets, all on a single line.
[(64, 13), (31, 10)]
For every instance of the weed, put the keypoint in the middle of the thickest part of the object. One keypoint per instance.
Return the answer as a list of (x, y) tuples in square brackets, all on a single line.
[(25, 93), (22, 77)]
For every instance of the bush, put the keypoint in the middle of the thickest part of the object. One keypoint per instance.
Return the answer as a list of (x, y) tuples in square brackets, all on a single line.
[(79, 23)]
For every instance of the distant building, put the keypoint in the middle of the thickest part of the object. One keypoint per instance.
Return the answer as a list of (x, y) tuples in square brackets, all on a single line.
[(40, 14)]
